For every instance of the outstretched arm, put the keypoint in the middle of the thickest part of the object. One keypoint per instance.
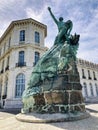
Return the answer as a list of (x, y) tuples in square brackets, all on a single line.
[(55, 20)]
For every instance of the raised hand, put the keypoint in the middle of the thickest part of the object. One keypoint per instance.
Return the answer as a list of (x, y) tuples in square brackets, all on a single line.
[(49, 8)]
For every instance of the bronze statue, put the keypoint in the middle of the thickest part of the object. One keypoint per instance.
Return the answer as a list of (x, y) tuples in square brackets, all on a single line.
[(54, 85), (64, 28)]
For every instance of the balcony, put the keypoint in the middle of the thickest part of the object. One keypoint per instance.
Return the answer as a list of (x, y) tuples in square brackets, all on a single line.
[(83, 77), (89, 78), (2, 71), (7, 68), (20, 64), (4, 96), (95, 78)]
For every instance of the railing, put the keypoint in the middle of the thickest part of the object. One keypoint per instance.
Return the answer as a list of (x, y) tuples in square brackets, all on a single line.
[(2, 71), (7, 68), (95, 78), (89, 78), (83, 77), (20, 64)]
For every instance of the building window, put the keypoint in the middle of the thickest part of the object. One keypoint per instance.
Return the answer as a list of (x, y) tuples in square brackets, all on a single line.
[(6, 88), (21, 57), (20, 85), (2, 67), (83, 74), (89, 76), (96, 89), (85, 90), (37, 37), (0, 90), (37, 57), (22, 35), (21, 62), (0, 51), (94, 75), (4, 47), (91, 88), (9, 42), (7, 63)]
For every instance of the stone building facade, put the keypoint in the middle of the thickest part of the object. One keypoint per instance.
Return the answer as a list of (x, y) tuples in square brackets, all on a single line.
[(88, 72), (21, 46)]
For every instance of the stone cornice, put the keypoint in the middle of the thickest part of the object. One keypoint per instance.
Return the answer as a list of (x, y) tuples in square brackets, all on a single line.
[(87, 64), (21, 22), (24, 46)]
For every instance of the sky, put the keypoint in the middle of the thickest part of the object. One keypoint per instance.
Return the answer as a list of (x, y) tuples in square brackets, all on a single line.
[(83, 13)]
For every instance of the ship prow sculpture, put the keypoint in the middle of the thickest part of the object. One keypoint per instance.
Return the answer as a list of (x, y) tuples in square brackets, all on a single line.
[(54, 86)]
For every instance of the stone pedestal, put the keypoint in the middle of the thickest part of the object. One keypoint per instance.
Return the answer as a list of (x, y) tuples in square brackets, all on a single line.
[(61, 100), (50, 118), (61, 94)]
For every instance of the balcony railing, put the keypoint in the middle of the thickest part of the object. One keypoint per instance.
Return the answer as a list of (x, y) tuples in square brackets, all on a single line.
[(7, 68), (83, 77), (20, 64), (95, 78), (4, 96), (89, 78), (2, 71)]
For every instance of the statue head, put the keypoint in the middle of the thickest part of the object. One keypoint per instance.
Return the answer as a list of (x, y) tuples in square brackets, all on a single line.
[(61, 19)]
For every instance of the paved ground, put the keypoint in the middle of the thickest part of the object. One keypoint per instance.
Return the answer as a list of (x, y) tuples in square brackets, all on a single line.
[(9, 122)]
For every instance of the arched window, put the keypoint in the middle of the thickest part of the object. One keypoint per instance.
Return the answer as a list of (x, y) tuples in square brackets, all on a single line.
[(20, 85), (91, 88), (85, 90), (96, 89)]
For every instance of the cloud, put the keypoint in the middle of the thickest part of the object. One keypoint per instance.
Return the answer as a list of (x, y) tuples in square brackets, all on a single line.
[(84, 15)]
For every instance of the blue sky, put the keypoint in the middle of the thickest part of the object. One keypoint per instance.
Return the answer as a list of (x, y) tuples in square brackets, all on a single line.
[(83, 13)]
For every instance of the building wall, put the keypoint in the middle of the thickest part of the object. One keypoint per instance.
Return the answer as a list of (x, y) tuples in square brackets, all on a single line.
[(29, 46), (88, 79)]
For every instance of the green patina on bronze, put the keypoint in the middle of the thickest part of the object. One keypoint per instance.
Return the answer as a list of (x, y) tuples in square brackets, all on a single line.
[(54, 83)]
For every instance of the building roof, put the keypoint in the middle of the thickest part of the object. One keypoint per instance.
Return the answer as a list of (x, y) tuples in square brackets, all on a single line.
[(87, 63), (23, 21)]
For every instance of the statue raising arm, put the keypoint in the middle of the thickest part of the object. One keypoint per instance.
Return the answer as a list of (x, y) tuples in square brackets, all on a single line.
[(55, 20)]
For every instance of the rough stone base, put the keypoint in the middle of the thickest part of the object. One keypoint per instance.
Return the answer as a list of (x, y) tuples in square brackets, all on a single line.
[(49, 118)]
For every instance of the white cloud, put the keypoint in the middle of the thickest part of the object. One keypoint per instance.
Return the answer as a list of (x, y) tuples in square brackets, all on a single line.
[(90, 55), (34, 14), (84, 15)]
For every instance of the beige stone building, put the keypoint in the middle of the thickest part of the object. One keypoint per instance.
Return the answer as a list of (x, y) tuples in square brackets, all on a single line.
[(21, 46), (88, 72)]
